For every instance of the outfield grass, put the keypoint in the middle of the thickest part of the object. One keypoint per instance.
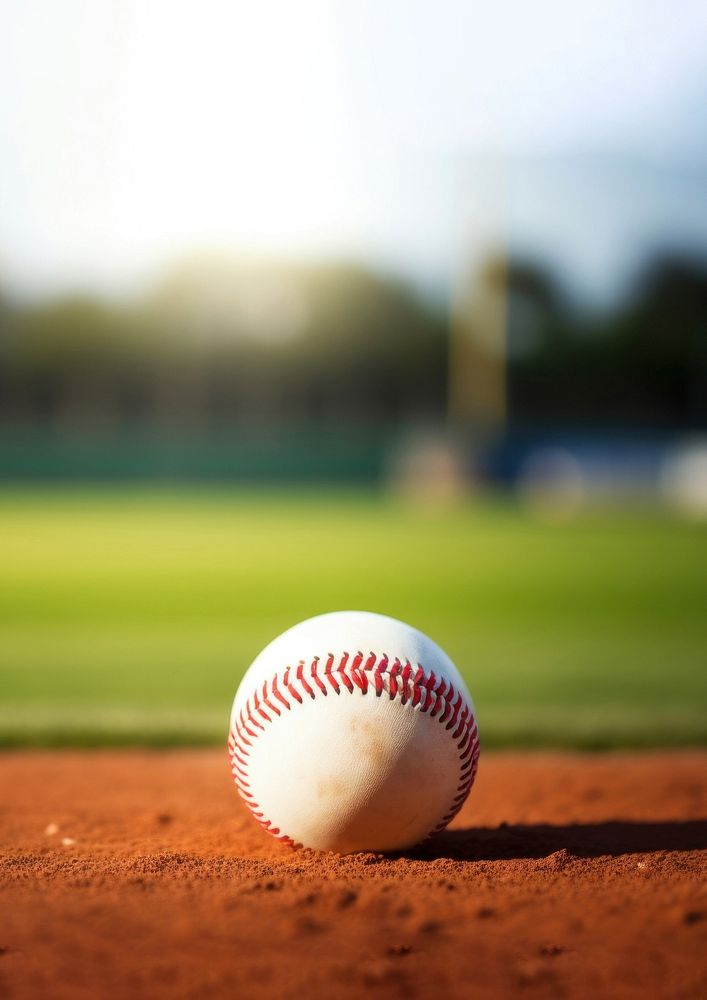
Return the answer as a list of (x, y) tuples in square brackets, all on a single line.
[(129, 617)]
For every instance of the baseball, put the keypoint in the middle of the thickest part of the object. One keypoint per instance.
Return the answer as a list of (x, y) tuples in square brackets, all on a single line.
[(353, 731)]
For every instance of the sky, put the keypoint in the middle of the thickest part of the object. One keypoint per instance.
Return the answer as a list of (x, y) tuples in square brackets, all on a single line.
[(416, 136)]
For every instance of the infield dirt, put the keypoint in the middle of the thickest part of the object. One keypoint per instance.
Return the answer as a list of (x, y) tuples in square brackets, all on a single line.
[(137, 874)]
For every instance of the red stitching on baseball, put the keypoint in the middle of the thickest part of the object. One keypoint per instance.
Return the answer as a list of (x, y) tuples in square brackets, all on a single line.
[(405, 679), (343, 675), (438, 699), (329, 674), (301, 678), (378, 675), (266, 700), (392, 679), (357, 674), (278, 694), (447, 708), (261, 712), (315, 675), (455, 713)]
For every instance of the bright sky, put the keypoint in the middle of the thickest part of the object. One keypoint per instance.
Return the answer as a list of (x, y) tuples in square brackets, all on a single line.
[(408, 133)]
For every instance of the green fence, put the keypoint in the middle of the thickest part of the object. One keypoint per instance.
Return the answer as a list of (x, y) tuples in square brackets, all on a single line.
[(235, 455)]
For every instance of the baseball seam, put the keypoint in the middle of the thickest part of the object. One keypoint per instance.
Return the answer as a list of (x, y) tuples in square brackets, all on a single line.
[(435, 697)]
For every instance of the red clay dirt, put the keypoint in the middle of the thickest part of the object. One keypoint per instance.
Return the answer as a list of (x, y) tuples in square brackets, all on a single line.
[(564, 876)]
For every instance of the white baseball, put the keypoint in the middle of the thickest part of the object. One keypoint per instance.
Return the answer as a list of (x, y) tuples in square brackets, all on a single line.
[(353, 731)]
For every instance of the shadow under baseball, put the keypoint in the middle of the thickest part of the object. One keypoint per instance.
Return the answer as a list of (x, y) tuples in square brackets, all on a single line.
[(584, 840)]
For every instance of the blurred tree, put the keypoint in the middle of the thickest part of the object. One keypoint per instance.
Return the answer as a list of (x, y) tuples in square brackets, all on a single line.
[(224, 343), (644, 364), (662, 336)]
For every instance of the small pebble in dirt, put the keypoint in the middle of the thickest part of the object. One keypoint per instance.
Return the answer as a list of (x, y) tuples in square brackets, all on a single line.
[(551, 950), (51, 829), (68, 841), (261, 885), (163, 819), (399, 950), (693, 917), (484, 912), (308, 926), (558, 860)]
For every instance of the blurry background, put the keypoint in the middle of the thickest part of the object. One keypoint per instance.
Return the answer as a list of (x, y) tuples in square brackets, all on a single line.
[(399, 306)]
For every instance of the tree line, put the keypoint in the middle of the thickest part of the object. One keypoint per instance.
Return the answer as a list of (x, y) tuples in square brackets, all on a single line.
[(220, 343)]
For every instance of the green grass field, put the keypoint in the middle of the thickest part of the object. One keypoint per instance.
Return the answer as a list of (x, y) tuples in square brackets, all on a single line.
[(129, 617)]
